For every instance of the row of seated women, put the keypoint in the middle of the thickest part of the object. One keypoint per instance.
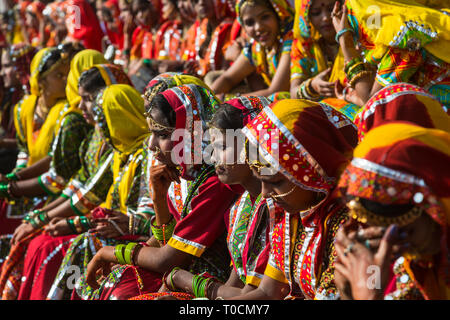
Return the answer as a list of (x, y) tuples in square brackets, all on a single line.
[(297, 49), (109, 201)]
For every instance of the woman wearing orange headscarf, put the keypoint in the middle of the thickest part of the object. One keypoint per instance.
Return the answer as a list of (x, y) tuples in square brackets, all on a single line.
[(399, 179)]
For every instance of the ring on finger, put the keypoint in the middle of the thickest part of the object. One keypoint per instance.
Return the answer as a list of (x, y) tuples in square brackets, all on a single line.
[(349, 248), (360, 234), (367, 244)]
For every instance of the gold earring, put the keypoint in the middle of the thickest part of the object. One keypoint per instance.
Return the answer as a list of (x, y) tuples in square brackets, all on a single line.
[(275, 196)]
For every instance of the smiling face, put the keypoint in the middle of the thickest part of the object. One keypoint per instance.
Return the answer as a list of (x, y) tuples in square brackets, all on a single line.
[(320, 17), (261, 23)]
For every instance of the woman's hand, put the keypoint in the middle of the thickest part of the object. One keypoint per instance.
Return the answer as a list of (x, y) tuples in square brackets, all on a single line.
[(21, 232), (161, 177), (100, 265), (321, 85), (366, 271), (115, 225), (339, 17), (348, 94), (190, 67), (58, 227)]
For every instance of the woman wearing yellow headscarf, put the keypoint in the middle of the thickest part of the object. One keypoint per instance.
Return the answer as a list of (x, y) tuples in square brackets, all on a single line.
[(35, 118), (71, 128), (316, 61), (119, 112), (399, 41), (86, 190)]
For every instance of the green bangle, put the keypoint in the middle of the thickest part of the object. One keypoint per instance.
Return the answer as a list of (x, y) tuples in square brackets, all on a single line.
[(171, 277), (340, 33), (128, 250), (71, 225), (85, 223), (118, 252), (12, 176)]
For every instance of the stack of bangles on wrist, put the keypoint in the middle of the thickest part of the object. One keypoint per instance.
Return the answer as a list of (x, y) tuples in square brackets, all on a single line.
[(356, 69), (200, 285), (306, 91), (37, 219), (79, 224), (163, 233), (166, 275), (126, 254)]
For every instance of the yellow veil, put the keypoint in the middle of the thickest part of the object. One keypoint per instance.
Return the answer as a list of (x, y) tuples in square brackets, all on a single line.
[(38, 143), (122, 108)]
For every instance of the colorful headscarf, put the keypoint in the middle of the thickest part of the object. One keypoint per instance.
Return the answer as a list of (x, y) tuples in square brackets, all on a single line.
[(404, 24), (82, 24), (34, 70), (169, 80), (282, 8), (307, 142), (82, 61), (405, 102), (121, 108), (113, 74), (401, 163), (194, 106), (119, 111), (21, 56), (307, 57), (303, 27), (249, 105), (39, 146)]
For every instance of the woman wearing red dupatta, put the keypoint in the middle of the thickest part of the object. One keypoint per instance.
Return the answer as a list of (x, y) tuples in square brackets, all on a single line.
[(198, 205), (306, 148), (402, 101), (399, 179), (82, 24), (248, 228)]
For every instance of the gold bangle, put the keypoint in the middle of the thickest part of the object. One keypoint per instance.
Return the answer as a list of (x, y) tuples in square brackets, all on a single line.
[(357, 77), (77, 224)]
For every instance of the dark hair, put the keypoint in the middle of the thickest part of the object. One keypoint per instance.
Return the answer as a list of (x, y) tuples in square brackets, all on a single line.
[(387, 210), (227, 117), (160, 103), (54, 56), (71, 48), (91, 80)]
